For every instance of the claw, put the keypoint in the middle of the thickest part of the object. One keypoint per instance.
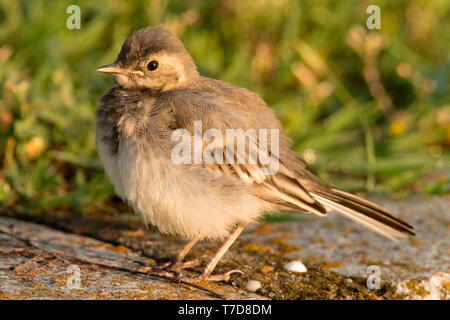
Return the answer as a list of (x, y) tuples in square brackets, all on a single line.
[(165, 265), (159, 272), (177, 265), (214, 277), (184, 265)]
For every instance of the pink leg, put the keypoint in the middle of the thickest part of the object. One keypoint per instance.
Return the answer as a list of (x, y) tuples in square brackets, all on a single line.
[(216, 258), (186, 250), (178, 263)]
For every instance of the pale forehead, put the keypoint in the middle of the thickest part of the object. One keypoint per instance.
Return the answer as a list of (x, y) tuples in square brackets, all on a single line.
[(166, 57)]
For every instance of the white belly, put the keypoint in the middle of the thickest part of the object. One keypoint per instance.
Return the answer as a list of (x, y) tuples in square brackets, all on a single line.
[(182, 200)]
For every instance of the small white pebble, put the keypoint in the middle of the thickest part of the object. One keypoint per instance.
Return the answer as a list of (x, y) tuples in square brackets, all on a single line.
[(252, 285), (295, 266)]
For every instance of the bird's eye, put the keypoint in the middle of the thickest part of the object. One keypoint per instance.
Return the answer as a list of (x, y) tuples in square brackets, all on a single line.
[(152, 65)]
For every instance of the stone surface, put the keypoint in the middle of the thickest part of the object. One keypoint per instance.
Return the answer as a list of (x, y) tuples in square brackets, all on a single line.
[(38, 262), (418, 267), (41, 256)]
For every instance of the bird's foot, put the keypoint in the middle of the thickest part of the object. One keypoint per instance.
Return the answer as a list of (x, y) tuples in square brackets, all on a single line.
[(179, 265), (156, 270), (210, 277)]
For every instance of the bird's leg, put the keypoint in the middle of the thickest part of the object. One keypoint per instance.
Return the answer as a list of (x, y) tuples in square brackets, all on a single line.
[(215, 259), (186, 250), (178, 263)]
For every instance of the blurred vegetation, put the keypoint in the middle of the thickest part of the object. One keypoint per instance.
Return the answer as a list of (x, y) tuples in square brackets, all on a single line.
[(368, 110)]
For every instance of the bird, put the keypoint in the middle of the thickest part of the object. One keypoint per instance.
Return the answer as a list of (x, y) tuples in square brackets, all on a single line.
[(160, 92)]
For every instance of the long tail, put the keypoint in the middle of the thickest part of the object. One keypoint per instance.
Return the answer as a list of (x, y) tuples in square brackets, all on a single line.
[(364, 212)]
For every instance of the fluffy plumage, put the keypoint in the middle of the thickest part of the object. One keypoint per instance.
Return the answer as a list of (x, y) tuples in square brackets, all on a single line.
[(204, 201)]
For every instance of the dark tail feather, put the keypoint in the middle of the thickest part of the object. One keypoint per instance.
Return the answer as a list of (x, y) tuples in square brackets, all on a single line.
[(364, 212)]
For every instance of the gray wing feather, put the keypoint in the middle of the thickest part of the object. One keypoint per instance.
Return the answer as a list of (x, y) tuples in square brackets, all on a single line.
[(282, 188)]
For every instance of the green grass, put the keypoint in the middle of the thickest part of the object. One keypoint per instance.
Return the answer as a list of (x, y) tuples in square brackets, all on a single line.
[(312, 61)]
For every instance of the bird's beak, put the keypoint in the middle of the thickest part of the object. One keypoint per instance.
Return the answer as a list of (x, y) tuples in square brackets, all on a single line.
[(111, 68), (114, 69)]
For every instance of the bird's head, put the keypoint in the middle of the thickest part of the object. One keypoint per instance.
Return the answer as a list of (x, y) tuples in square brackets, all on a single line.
[(152, 58)]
